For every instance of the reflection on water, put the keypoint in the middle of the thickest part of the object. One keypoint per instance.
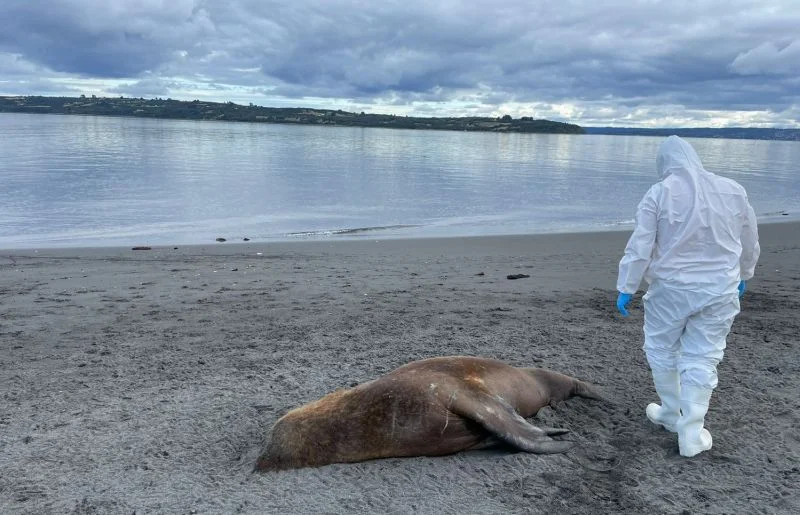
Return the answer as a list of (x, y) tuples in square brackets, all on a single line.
[(73, 180)]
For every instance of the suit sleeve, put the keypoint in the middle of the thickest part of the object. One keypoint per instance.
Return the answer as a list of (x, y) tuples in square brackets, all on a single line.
[(639, 250), (750, 247)]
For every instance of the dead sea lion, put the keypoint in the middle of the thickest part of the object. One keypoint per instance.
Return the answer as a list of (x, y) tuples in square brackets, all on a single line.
[(430, 407)]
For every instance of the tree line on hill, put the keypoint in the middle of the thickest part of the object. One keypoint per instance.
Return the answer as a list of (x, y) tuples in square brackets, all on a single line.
[(229, 111)]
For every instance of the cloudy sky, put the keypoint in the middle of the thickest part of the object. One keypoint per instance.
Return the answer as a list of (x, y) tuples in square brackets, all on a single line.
[(596, 62)]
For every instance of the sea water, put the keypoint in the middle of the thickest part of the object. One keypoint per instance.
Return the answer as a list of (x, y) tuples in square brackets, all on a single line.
[(104, 181)]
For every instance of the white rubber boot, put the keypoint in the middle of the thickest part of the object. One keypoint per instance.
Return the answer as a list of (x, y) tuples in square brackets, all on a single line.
[(668, 388), (693, 438)]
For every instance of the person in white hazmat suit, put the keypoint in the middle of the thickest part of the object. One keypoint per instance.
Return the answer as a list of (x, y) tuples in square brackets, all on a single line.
[(696, 244)]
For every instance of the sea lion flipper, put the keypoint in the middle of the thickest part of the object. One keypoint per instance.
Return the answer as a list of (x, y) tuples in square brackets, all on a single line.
[(553, 446), (500, 419), (554, 431)]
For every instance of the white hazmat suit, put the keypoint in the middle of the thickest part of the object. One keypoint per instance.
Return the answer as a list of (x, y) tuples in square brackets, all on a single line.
[(695, 239)]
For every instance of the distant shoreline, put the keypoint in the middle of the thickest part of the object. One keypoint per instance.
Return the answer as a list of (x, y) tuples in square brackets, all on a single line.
[(229, 111), (757, 133)]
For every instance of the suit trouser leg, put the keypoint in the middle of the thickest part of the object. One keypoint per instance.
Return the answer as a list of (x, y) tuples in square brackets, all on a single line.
[(702, 348), (664, 324)]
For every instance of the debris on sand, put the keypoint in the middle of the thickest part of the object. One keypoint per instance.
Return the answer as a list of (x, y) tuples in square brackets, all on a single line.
[(517, 276)]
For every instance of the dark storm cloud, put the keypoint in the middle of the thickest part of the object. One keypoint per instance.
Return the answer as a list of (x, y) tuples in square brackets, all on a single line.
[(685, 53), (714, 54), (98, 38)]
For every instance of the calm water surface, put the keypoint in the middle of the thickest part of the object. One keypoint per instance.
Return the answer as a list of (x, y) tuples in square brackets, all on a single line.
[(89, 181)]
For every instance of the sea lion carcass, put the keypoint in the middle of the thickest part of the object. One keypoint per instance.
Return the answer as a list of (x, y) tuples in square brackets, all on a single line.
[(431, 407)]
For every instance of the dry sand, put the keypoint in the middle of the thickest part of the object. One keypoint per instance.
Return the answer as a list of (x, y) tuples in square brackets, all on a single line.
[(144, 381)]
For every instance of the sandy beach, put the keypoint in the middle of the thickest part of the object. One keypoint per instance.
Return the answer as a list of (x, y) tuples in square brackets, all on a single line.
[(145, 381)]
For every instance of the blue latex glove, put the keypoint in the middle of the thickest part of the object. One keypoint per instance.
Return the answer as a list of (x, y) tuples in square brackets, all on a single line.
[(742, 288), (622, 303)]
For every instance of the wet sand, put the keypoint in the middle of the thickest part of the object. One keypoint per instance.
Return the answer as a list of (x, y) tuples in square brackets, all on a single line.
[(145, 381)]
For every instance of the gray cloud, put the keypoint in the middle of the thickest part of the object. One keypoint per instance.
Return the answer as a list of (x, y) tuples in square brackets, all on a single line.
[(478, 56), (149, 87), (768, 58), (102, 38)]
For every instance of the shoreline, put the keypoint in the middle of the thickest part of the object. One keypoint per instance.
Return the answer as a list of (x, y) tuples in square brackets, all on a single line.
[(316, 243)]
